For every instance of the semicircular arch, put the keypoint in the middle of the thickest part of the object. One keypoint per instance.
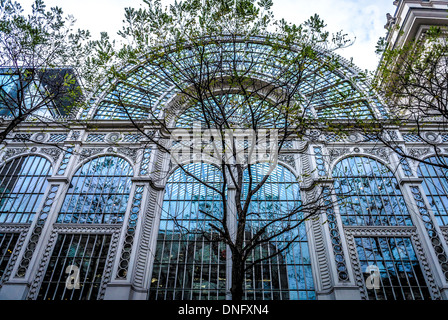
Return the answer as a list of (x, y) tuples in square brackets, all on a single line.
[(146, 88)]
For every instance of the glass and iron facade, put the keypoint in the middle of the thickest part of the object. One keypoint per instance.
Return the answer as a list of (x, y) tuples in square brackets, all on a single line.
[(191, 262), (104, 214)]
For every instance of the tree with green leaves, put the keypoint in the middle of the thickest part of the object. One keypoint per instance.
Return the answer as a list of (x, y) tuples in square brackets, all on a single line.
[(228, 66), (41, 66), (413, 80)]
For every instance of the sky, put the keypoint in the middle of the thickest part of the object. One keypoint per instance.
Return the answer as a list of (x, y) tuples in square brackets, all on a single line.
[(363, 20)]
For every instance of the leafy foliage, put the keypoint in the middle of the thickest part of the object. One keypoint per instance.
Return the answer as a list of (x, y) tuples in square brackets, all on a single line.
[(42, 59)]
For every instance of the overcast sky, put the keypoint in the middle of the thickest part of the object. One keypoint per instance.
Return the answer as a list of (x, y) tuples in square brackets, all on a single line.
[(363, 19)]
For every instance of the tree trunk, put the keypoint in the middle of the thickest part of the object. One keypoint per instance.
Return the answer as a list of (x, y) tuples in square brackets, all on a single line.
[(237, 277)]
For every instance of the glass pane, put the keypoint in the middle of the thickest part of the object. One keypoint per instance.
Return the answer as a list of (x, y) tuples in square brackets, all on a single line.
[(368, 193), (435, 186), (391, 269), (76, 267), (190, 261), (22, 183), (98, 193), (7, 244)]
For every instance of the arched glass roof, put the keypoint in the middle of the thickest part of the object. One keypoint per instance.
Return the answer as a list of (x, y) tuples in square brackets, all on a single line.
[(324, 90), (237, 111)]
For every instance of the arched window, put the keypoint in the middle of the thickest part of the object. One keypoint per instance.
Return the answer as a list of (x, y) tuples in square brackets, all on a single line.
[(435, 185), (76, 267), (287, 275), (98, 192), (368, 194), (22, 184), (190, 263), (327, 91)]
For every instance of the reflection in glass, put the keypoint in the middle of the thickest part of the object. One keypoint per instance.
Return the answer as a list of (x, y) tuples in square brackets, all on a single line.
[(435, 186), (368, 194), (287, 275), (98, 193), (8, 94), (88, 253), (190, 260), (400, 275), (22, 184)]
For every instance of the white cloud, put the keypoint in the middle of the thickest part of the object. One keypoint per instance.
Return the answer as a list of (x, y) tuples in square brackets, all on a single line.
[(359, 18)]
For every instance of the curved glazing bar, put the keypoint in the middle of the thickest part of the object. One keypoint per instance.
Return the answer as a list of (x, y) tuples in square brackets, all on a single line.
[(149, 86), (232, 109), (284, 273), (435, 186), (190, 261)]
